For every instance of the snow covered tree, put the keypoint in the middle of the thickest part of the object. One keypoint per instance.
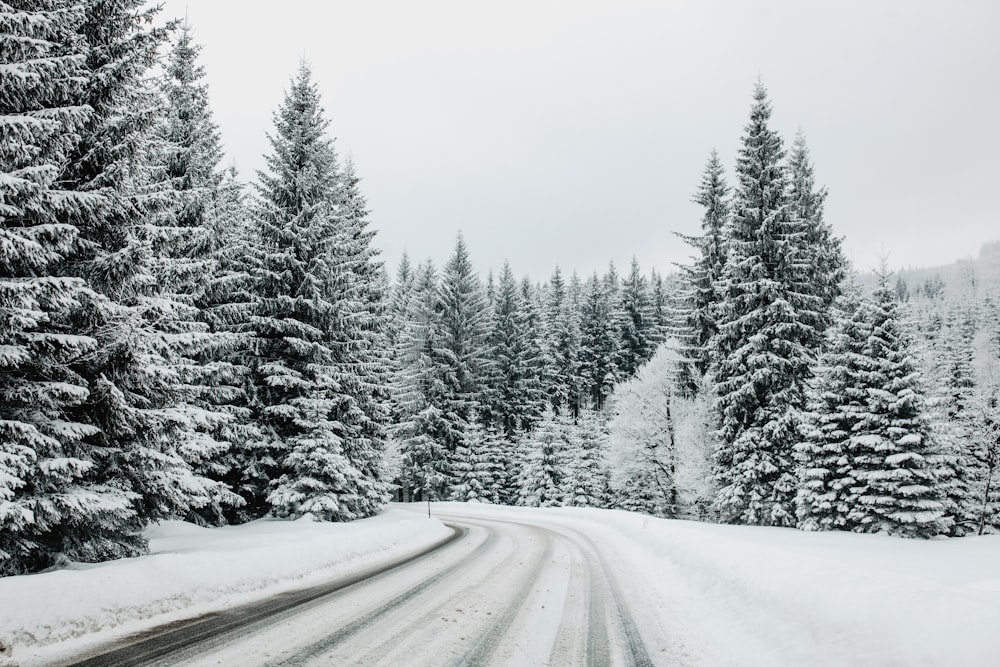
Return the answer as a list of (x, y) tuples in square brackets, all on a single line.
[(642, 452), (475, 466), (767, 323), (146, 446), (702, 278), (534, 360), (461, 342), (898, 489), (585, 481), (635, 323), (824, 266), (317, 325), (562, 345), (599, 342), (542, 471), (420, 430), (511, 389), (838, 404), (50, 491)]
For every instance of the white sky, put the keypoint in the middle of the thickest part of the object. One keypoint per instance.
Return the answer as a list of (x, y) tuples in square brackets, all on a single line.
[(576, 132)]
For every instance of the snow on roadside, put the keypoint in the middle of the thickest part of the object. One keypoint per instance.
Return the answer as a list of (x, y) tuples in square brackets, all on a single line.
[(766, 596), (191, 571)]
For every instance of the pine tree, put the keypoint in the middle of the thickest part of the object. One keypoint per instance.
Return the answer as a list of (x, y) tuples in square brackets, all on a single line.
[(542, 463), (146, 446), (317, 325), (461, 343), (766, 336), (585, 483), (534, 359), (420, 431), (899, 491), (838, 405), (824, 266), (474, 468), (50, 491), (509, 389), (703, 278), (184, 244), (562, 346), (599, 343), (635, 328)]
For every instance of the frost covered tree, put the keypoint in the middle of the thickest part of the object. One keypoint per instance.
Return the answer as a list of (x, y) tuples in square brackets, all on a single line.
[(476, 466), (642, 454), (50, 492), (767, 334), (598, 343), (316, 325), (542, 461), (837, 408), (562, 346), (146, 445), (585, 481), (824, 266), (511, 389), (702, 278), (461, 350), (898, 488), (420, 431), (635, 323)]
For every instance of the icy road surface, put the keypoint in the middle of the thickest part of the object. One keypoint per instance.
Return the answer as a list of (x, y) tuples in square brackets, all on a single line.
[(500, 593)]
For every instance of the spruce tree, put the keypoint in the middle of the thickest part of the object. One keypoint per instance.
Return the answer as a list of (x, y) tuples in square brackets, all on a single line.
[(898, 488), (838, 404), (599, 343), (562, 323), (542, 463), (766, 336), (417, 390), (461, 343), (50, 486), (146, 446), (824, 265), (316, 325), (635, 328), (702, 278)]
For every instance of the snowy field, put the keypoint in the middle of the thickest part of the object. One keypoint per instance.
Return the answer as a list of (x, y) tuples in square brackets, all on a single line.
[(729, 594)]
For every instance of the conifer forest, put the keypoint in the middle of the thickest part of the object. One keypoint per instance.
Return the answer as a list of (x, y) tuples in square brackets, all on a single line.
[(178, 340)]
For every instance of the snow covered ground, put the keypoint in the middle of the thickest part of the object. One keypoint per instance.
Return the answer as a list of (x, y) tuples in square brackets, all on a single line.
[(191, 571), (724, 594), (767, 596)]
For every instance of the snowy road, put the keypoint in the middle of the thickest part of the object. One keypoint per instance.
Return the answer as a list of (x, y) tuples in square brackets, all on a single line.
[(499, 593)]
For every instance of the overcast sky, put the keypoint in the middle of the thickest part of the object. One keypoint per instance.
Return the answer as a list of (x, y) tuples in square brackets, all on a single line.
[(576, 132)]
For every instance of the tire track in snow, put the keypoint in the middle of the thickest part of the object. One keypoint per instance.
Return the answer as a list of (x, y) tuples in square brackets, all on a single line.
[(330, 642), (490, 640), (191, 635)]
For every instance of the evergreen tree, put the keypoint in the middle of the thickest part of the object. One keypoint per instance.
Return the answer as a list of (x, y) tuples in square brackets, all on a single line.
[(562, 346), (585, 483), (767, 334), (599, 343), (509, 389), (462, 342), (703, 277), (542, 463), (823, 267), (635, 329), (838, 405), (534, 361), (50, 487), (899, 491), (317, 325), (146, 445), (420, 431)]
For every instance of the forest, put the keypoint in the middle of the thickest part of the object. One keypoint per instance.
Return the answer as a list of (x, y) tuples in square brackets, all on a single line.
[(176, 342)]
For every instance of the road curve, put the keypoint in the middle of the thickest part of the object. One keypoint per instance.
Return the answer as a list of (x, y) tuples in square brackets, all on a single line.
[(496, 592)]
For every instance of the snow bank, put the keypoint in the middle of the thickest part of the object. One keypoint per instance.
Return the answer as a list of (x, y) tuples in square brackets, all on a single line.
[(767, 596), (191, 570)]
